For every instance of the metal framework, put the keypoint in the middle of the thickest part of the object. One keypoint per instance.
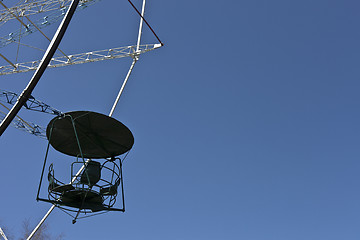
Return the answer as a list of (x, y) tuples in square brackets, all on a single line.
[(48, 61), (31, 7), (26, 94), (30, 104), (23, 125), (58, 8), (94, 56)]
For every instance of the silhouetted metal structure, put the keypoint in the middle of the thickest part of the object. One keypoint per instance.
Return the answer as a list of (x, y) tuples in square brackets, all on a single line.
[(83, 135), (7, 99), (94, 188)]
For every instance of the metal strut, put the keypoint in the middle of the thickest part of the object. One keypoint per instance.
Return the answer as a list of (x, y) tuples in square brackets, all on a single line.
[(94, 56), (26, 126), (30, 104), (3, 234)]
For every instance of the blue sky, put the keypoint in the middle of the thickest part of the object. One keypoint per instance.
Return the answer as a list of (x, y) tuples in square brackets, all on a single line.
[(246, 122)]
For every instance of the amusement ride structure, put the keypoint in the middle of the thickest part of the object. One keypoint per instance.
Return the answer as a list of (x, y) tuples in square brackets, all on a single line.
[(97, 143)]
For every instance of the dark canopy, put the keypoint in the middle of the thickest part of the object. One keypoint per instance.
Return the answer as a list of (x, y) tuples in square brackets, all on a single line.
[(99, 136)]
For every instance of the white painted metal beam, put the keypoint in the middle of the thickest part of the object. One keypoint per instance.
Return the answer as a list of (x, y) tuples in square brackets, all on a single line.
[(3, 234), (94, 56)]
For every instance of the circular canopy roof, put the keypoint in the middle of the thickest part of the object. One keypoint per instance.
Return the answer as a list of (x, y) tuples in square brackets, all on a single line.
[(99, 136)]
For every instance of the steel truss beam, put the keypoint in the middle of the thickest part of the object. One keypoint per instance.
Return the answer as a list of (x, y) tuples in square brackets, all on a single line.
[(55, 16), (34, 7), (26, 126), (31, 103), (94, 56)]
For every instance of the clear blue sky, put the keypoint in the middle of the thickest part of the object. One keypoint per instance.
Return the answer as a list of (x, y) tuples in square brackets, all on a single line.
[(246, 122)]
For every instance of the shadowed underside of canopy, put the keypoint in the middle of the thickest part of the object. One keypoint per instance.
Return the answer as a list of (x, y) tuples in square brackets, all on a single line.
[(89, 134)]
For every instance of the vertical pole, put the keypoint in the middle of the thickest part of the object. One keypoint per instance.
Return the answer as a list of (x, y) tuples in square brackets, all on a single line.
[(141, 24), (41, 69), (122, 186)]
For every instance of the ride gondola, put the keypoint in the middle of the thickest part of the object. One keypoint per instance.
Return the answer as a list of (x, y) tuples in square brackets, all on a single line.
[(97, 142)]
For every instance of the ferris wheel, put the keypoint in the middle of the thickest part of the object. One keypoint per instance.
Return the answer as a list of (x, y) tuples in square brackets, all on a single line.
[(83, 135)]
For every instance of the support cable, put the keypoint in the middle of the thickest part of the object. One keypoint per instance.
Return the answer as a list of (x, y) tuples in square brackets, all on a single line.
[(26, 45), (162, 44)]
